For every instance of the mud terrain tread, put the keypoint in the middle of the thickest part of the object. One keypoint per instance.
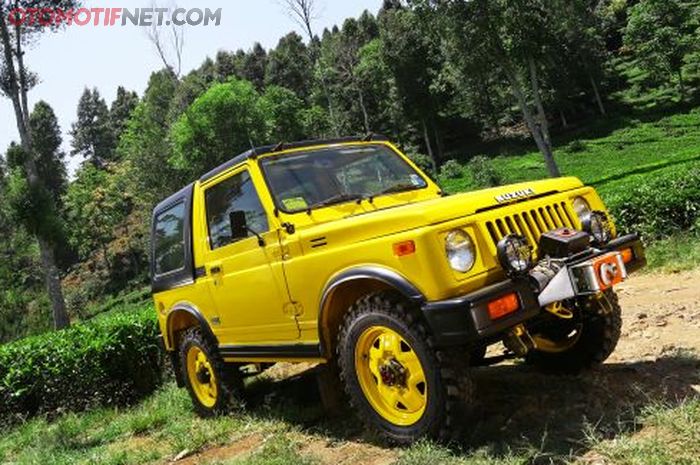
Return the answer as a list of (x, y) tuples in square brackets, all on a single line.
[(596, 344), (456, 385), (230, 381)]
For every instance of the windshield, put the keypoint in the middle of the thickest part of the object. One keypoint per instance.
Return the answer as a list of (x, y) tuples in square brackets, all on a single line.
[(334, 175)]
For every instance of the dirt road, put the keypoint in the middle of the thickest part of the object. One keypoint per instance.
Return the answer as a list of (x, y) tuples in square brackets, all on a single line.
[(655, 361)]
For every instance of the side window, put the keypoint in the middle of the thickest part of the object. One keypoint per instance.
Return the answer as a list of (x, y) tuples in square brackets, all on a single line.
[(232, 194), (169, 243)]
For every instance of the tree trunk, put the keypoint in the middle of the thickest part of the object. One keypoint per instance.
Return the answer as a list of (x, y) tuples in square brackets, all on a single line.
[(542, 116), (53, 285), (365, 116), (564, 122), (438, 142), (426, 137), (681, 86), (18, 94), (596, 93), (546, 150)]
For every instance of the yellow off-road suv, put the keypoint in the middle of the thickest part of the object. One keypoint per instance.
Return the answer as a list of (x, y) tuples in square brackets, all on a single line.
[(343, 252)]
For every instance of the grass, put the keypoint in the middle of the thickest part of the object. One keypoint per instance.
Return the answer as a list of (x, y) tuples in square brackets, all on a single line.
[(164, 427)]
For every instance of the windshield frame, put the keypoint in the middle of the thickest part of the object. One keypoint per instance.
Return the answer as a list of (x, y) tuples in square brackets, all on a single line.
[(263, 170)]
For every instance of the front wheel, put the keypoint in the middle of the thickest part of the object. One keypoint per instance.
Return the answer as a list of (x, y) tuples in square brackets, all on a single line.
[(586, 340), (398, 383)]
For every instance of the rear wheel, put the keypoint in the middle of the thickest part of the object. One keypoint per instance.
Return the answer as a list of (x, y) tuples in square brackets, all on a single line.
[(399, 384), (585, 340), (211, 386)]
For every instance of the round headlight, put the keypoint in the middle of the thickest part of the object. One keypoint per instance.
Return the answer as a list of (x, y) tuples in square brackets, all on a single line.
[(459, 249), (581, 207), (515, 254), (598, 226)]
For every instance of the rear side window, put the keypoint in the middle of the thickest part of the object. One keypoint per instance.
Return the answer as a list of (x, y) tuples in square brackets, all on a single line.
[(234, 193), (169, 241)]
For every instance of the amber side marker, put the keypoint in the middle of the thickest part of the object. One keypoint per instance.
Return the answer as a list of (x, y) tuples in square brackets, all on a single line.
[(627, 255), (503, 306), (404, 248)]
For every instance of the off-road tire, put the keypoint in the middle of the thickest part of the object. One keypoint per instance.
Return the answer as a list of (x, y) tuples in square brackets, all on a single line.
[(449, 388), (229, 382), (601, 329)]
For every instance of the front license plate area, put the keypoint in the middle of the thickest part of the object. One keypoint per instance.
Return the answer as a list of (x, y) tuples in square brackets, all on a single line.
[(598, 274)]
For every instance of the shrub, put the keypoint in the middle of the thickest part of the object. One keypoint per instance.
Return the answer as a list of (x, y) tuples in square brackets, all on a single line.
[(576, 146), (451, 169), (484, 173), (112, 360), (423, 161), (661, 205)]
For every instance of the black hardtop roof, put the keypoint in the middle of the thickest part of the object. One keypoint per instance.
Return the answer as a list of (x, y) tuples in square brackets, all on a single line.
[(257, 151)]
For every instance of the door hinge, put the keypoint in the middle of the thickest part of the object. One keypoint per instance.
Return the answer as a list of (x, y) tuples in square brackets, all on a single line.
[(293, 309)]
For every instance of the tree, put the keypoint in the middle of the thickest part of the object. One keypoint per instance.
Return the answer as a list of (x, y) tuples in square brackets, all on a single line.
[(93, 135), (289, 65), (47, 147), (223, 122), (145, 148), (17, 80), (121, 109), (660, 35), (282, 112), (509, 38), (255, 65)]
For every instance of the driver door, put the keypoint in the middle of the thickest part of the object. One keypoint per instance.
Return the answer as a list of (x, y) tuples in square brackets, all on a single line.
[(246, 279)]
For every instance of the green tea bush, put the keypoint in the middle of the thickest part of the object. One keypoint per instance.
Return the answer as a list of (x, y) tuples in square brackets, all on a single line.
[(660, 206), (112, 360), (483, 172), (451, 169)]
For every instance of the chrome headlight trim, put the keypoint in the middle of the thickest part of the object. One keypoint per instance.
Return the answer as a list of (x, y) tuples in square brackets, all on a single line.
[(514, 254), (460, 251), (581, 207)]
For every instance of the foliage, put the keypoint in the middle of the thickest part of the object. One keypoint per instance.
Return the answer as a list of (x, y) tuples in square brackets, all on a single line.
[(224, 121), (483, 172), (662, 205), (110, 361), (283, 111), (93, 136), (451, 169)]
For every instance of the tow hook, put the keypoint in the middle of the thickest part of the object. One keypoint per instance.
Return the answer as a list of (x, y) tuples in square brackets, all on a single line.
[(519, 341), (557, 309)]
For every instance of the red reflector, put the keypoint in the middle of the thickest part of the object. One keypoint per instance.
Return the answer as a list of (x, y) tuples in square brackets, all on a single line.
[(627, 255), (503, 306), (404, 248)]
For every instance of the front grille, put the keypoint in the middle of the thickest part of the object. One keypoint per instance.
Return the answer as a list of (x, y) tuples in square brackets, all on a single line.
[(531, 223)]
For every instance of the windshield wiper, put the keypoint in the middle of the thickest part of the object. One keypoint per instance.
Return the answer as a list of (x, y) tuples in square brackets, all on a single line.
[(338, 198), (395, 188)]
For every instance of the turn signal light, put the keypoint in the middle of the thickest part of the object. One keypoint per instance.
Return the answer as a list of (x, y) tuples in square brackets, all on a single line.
[(404, 248), (503, 306), (627, 255)]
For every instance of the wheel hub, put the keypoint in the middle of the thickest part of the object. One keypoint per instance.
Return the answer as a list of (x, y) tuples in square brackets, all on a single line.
[(393, 373), (203, 375)]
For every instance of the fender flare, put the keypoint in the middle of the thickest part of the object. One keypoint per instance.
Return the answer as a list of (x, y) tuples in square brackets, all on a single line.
[(372, 272), (190, 309)]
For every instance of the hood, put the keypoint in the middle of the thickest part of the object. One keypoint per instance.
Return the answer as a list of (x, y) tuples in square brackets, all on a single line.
[(403, 217)]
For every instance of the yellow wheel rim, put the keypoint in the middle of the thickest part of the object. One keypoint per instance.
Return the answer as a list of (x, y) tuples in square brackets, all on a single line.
[(201, 376), (391, 376), (548, 345)]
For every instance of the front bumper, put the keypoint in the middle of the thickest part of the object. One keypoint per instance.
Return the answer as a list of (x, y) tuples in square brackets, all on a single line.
[(466, 319)]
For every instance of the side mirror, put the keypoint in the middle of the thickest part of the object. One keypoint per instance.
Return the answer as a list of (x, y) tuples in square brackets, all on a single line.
[(239, 227)]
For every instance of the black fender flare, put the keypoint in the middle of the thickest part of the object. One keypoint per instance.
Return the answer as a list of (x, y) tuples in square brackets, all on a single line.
[(382, 274), (184, 307)]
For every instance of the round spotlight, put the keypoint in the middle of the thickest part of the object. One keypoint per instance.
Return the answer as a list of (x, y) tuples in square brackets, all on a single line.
[(459, 249), (514, 254), (597, 224)]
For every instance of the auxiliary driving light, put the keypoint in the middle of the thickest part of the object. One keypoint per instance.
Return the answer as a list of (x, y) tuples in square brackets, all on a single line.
[(514, 254), (597, 224)]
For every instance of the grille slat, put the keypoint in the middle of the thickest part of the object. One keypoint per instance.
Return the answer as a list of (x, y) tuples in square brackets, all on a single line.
[(531, 223)]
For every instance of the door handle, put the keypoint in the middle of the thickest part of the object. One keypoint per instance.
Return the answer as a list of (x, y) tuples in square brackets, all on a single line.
[(215, 269)]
